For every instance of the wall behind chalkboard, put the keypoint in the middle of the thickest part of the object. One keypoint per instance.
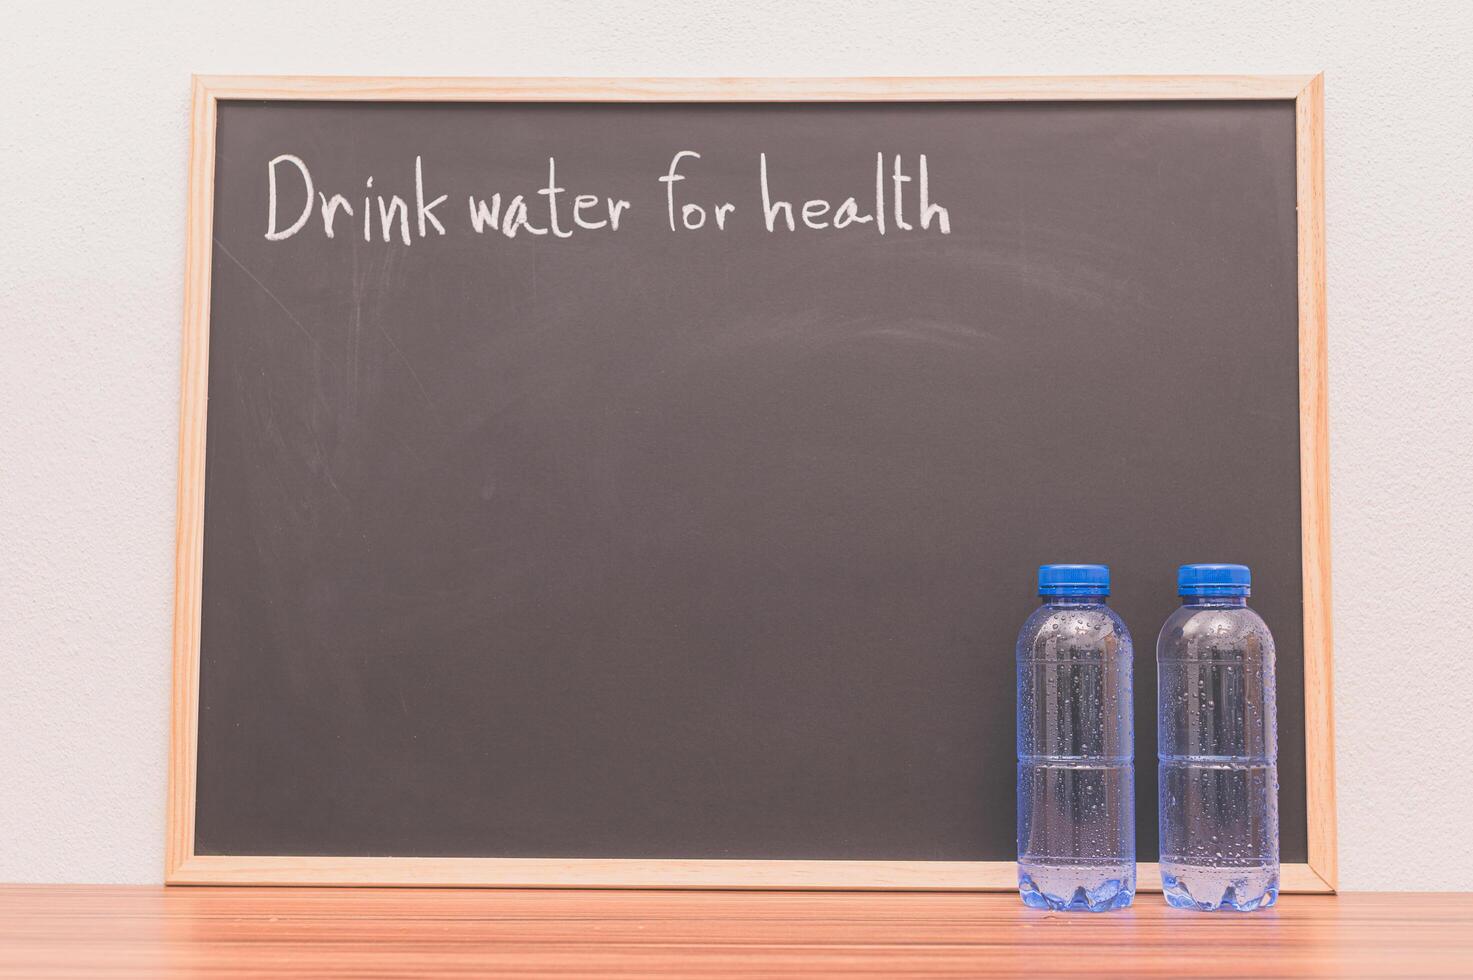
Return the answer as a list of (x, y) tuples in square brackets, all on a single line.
[(624, 533)]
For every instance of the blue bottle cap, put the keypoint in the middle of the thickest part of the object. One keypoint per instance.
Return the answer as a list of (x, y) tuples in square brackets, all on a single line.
[(1073, 580), (1210, 580)]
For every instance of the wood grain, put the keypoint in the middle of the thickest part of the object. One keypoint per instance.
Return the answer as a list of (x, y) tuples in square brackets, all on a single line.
[(1314, 483), (624, 873), (97, 931), (189, 532), (183, 866), (872, 89)]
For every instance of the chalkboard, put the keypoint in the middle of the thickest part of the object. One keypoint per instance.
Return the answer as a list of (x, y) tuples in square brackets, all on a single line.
[(665, 481)]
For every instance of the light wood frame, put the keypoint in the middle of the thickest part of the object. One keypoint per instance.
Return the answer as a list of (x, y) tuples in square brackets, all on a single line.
[(184, 866)]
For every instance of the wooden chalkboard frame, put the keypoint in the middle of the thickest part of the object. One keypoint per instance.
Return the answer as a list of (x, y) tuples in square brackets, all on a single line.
[(184, 866)]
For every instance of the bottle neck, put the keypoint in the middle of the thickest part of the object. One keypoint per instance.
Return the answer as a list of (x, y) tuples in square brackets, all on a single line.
[(1214, 601), (1092, 599)]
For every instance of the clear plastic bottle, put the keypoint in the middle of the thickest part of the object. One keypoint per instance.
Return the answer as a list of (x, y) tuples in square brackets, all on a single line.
[(1218, 737), (1076, 773)]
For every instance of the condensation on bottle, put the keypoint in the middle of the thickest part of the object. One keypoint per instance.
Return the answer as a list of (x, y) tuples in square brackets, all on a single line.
[(1076, 776), (1217, 737)]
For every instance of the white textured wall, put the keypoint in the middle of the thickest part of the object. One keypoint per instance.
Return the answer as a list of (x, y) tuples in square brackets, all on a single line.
[(93, 134)]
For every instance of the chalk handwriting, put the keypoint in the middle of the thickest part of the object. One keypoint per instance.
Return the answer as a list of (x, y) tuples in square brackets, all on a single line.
[(899, 202)]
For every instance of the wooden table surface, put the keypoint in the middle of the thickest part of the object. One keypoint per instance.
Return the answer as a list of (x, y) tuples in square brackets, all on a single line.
[(104, 931)]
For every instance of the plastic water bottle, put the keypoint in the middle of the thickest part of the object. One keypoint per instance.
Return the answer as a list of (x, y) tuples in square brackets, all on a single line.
[(1218, 739), (1076, 775)]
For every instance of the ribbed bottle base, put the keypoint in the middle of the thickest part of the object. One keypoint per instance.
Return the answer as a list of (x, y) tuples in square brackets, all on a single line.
[(1208, 889), (1076, 887)]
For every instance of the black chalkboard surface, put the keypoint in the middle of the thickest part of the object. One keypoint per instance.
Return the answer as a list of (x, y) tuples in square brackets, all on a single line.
[(575, 531)]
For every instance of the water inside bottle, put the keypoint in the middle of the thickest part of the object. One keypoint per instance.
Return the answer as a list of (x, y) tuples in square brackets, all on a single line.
[(1217, 738), (1076, 799)]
